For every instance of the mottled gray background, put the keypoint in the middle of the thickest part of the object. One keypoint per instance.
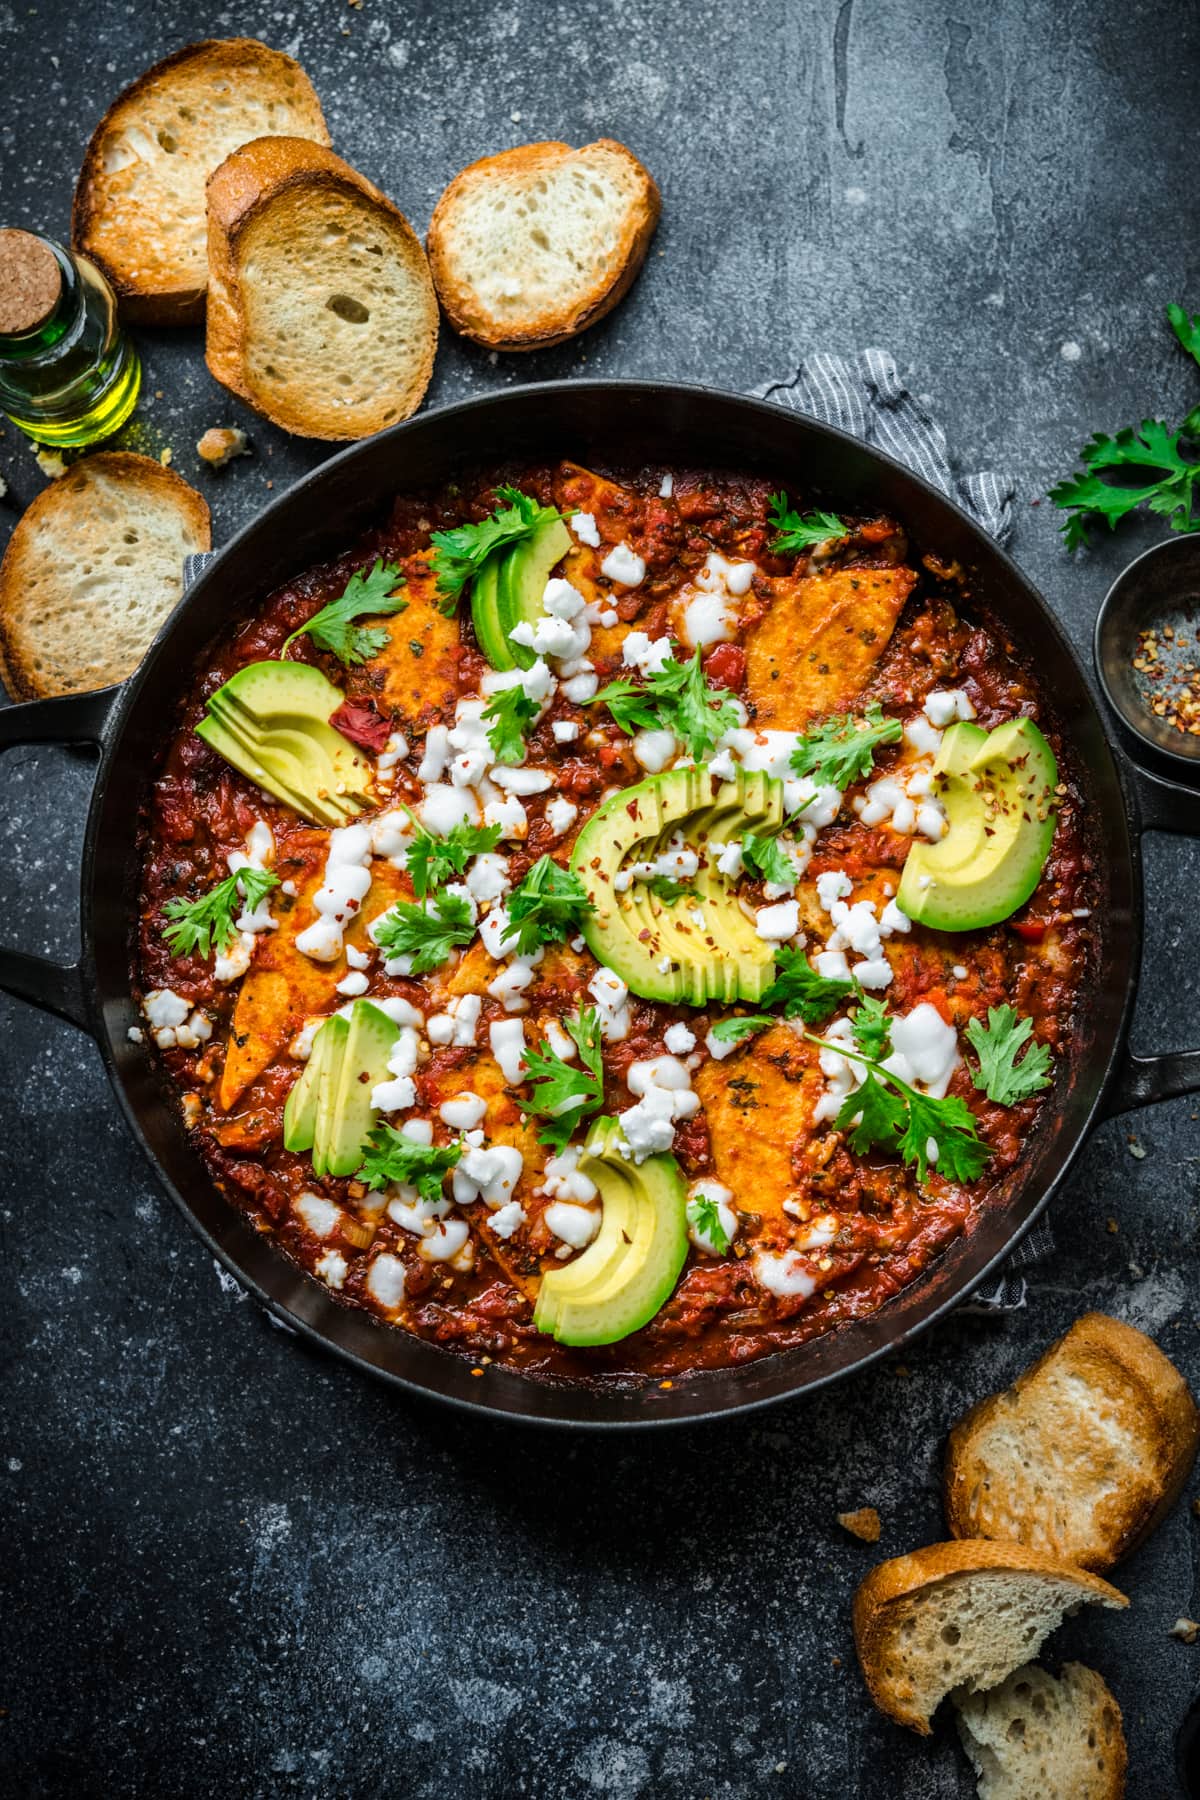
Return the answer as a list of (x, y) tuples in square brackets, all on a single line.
[(236, 1568)]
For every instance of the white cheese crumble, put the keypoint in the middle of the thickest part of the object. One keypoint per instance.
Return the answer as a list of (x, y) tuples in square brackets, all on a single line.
[(722, 1197), (679, 1039), (647, 655), (320, 1216), (345, 885), (611, 996), (565, 730), (560, 815), (779, 922), (353, 984), (783, 1274), (944, 705), (333, 1269), (583, 524), (573, 1225), (709, 615), (385, 1280), (654, 749), (444, 1242), (507, 1039), (624, 566)]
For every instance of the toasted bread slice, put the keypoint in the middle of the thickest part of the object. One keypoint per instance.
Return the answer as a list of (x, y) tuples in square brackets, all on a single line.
[(92, 570), (139, 202), (321, 312), (1035, 1736), (534, 245), (960, 1615), (1083, 1455)]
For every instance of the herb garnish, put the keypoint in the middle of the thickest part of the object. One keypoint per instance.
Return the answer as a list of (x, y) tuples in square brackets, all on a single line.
[(563, 1093), (333, 628), (871, 1028), (765, 856), (666, 889), (842, 748), (704, 1216), (460, 552), (886, 1113), (389, 1155), (548, 905), (796, 532), (998, 1044), (511, 712), (797, 990), (427, 933), (675, 698), (208, 923), (431, 860)]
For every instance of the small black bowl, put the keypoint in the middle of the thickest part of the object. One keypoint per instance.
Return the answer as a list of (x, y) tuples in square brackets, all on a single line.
[(1161, 588)]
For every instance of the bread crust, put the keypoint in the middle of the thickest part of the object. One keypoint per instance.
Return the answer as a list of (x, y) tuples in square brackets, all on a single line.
[(241, 190), (1119, 1362), (547, 329), (1097, 1722), (881, 1596), (140, 304), (141, 474)]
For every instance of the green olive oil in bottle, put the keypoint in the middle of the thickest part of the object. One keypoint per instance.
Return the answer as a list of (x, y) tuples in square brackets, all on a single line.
[(68, 374)]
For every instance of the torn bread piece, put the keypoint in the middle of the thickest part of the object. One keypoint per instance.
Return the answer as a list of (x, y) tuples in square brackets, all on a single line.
[(1033, 1735)]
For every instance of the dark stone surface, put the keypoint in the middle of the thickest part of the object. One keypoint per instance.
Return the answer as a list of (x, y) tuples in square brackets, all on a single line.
[(235, 1568)]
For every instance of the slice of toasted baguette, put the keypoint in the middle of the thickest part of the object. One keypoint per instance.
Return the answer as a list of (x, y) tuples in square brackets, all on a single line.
[(1083, 1455), (139, 202), (534, 245), (960, 1615), (92, 570), (1034, 1736), (321, 312)]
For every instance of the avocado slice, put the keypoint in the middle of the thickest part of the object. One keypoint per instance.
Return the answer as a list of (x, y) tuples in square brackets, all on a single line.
[(630, 1268), (655, 945), (337, 1029), (270, 720), (369, 1042), (485, 614), (998, 791), (300, 1110), (523, 575)]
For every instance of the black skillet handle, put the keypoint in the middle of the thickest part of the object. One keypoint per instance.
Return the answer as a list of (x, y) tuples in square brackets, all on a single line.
[(74, 719), (1140, 1080)]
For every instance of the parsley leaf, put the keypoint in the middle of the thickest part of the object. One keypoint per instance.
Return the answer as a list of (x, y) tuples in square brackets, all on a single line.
[(511, 711), (333, 628), (667, 890), (562, 1092), (427, 933), (432, 860), (741, 1025), (794, 532), (872, 1116), (842, 748), (1185, 329), (871, 1028), (1088, 497), (389, 1155), (460, 553), (766, 856), (548, 905), (704, 1216), (675, 698), (897, 1116), (199, 926), (801, 992), (998, 1044)]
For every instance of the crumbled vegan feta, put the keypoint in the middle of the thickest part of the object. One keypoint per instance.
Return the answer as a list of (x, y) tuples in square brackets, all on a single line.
[(583, 524), (722, 1198), (624, 566)]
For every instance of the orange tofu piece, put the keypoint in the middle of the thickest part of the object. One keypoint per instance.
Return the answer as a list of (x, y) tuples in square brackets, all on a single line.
[(814, 650), (419, 663), (758, 1103)]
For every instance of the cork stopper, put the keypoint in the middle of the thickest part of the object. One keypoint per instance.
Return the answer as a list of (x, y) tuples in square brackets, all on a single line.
[(30, 282)]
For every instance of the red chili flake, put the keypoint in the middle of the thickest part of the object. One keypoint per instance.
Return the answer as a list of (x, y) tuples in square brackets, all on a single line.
[(362, 723), (1032, 930)]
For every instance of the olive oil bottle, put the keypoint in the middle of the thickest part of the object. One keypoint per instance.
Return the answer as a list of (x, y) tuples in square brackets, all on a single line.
[(68, 374)]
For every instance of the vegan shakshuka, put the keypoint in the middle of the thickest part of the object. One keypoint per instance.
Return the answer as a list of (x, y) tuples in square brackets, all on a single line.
[(614, 925)]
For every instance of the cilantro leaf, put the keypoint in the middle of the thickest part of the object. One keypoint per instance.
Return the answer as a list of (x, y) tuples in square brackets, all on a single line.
[(766, 856), (998, 1044), (741, 1025), (872, 1116), (460, 552), (510, 711), (548, 905), (801, 992), (842, 748), (1088, 497), (924, 1129), (333, 628), (675, 698), (667, 890), (796, 532), (432, 860), (1185, 329), (389, 1155), (200, 926), (427, 933), (562, 1092), (871, 1028), (704, 1216)]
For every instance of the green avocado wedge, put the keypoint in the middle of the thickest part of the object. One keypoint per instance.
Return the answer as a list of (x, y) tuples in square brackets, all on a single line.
[(700, 946), (998, 790), (522, 582), (300, 1109), (485, 614), (630, 1268), (364, 1063), (328, 1078), (270, 721)]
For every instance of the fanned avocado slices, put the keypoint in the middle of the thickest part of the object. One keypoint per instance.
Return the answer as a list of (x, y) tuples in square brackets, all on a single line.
[(329, 1109), (271, 722), (509, 589)]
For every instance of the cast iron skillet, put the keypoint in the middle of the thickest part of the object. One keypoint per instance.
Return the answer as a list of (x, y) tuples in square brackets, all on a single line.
[(614, 422)]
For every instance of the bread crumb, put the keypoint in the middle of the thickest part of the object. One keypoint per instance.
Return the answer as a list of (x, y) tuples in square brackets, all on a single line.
[(1186, 1630), (166, 457), (50, 463), (1112, 1227), (863, 1524), (220, 444)]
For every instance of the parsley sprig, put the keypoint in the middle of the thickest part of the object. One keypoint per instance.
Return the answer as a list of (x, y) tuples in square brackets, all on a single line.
[(389, 1155), (871, 1028), (431, 861), (799, 993), (842, 748), (369, 591), (1088, 498), (564, 1093), (766, 857), (548, 905), (998, 1045), (508, 715), (200, 926), (428, 933), (704, 1216), (460, 552), (886, 1113), (795, 531), (675, 698)]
